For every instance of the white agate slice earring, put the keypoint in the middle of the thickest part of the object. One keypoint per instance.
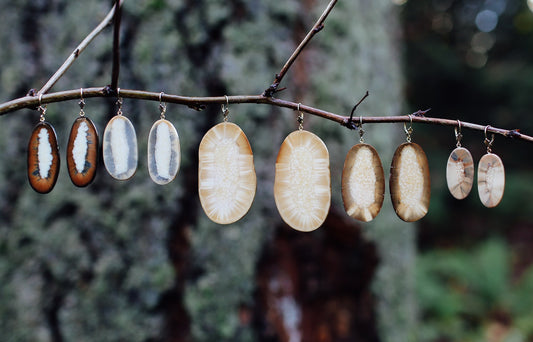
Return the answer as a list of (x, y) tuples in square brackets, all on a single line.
[(120, 146), (164, 154)]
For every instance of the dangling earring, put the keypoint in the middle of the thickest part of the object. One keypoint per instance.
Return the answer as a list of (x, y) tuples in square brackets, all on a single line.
[(460, 168), (82, 149), (163, 148), (226, 172), (363, 180), (43, 154), (490, 176), (302, 183), (120, 145), (410, 184)]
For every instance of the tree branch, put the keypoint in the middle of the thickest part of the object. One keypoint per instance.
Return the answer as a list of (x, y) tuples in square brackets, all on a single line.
[(116, 47), (319, 25), (201, 102), (78, 50)]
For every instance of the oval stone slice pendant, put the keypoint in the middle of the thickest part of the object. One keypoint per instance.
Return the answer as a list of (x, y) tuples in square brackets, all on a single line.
[(302, 184), (460, 173), (43, 158), (363, 183), (120, 148), (490, 180), (226, 173), (410, 184), (163, 152), (82, 152)]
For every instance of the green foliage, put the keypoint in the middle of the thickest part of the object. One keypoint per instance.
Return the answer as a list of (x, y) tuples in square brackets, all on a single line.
[(465, 293)]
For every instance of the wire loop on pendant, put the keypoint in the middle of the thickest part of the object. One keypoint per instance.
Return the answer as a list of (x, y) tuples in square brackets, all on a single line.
[(361, 130), (458, 134), (41, 109), (488, 142), (81, 103), (119, 102), (225, 109), (162, 106), (408, 131), (300, 118)]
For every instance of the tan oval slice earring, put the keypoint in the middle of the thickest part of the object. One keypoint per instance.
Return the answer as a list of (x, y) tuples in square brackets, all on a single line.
[(460, 168), (410, 184), (490, 176), (363, 180)]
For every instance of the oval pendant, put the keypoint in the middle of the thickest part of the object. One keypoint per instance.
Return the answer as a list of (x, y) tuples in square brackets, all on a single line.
[(302, 184), (410, 184), (120, 148), (43, 158), (163, 152), (226, 173), (490, 180), (363, 183), (82, 152), (460, 173)]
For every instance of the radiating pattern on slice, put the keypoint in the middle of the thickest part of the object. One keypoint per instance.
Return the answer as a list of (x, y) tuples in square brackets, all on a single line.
[(120, 148), (226, 173), (163, 152), (460, 172), (363, 183), (302, 189), (490, 180), (43, 158), (82, 152), (410, 182)]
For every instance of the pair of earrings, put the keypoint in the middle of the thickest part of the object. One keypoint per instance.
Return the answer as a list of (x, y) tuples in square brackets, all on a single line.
[(120, 152), (363, 180), (490, 176), (43, 152)]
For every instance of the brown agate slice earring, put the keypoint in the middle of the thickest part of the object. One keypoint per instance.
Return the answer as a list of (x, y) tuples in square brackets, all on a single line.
[(82, 149), (410, 184), (460, 168), (302, 184), (43, 155), (163, 149), (490, 176), (363, 181), (120, 145), (226, 172)]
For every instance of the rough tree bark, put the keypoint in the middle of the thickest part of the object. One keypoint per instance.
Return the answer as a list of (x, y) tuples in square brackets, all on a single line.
[(140, 262)]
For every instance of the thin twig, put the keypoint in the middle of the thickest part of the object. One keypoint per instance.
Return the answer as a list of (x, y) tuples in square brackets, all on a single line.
[(200, 102), (319, 25), (116, 47), (77, 51)]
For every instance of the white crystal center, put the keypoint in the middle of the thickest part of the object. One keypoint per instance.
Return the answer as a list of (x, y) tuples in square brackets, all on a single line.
[(119, 146), (44, 153), (81, 145), (163, 151), (411, 179)]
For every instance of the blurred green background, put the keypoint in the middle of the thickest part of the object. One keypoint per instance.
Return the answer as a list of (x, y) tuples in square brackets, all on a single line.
[(135, 261)]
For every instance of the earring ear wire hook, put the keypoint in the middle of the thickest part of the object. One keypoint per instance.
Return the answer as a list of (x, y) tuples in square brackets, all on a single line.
[(41, 109), (408, 131), (225, 108), (162, 106), (458, 134), (361, 130), (300, 118), (488, 142)]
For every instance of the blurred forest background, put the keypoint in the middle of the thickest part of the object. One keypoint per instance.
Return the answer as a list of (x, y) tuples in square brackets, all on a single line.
[(135, 261)]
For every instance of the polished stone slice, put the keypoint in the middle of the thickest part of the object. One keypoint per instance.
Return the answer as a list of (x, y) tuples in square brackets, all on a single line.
[(120, 148), (163, 152), (302, 184), (410, 183), (460, 173), (226, 173), (43, 158), (363, 183), (490, 180), (82, 152)]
